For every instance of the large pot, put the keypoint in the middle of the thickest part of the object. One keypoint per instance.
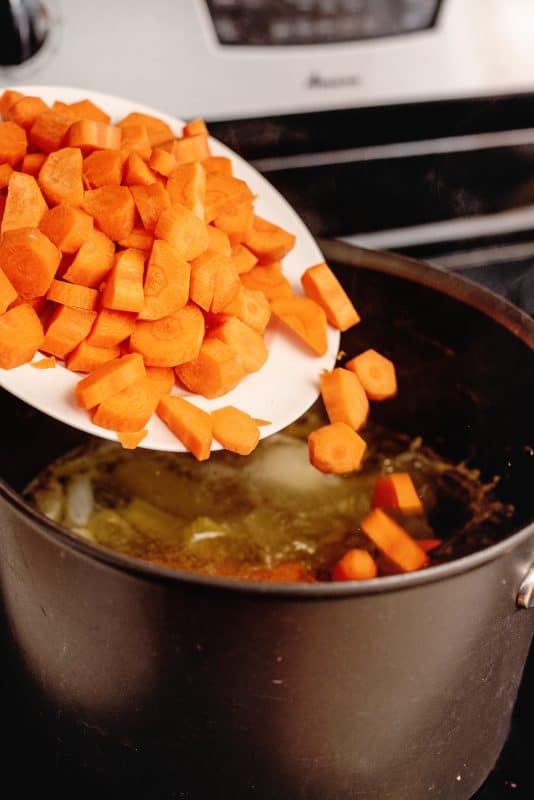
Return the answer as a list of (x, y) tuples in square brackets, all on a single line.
[(193, 687)]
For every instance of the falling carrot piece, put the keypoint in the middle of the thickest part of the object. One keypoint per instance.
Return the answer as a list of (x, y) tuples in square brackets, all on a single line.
[(305, 318), (111, 328), (158, 130), (70, 294), (214, 282), (90, 134), (13, 143), (172, 340), (32, 163), (219, 241), (137, 172), (162, 162), (183, 230), (29, 260), (166, 286), (67, 227), (187, 186), (93, 260), (66, 329), (236, 430), (113, 210), (269, 280), (131, 440), (376, 374), (269, 242), (336, 448), (44, 363), (60, 177), (247, 343), (21, 335), (216, 370), (25, 110), (103, 167), (392, 540), (135, 139), (244, 260), (124, 284), (236, 222), (150, 201), (8, 293), (25, 204), (397, 491), (251, 307), (190, 425), (321, 285), (344, 397), (49, 131), (109, 379), (86, 357), (355, 565)]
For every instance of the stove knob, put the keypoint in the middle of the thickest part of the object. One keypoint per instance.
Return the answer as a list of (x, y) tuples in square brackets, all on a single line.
[(24, 26)]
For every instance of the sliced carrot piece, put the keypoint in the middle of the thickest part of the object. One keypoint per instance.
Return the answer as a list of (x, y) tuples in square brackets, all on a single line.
[(103, 167), (187, 186), (21, 334), (130, 410), (171, 340), (124, 284), (68, 227), (355, 565), (6, 170), (216, 370), (90, 134), (139, 239), (150, 201), (25, 110), (8, 293), (66, 329), (8, 98), (190, 424), (135, 139), (166, 286), (60, 177), (269, 242), (236, 222), (429, 544), (82, 109), (214, 281), (336, 448), (217, 164), (25, 204), (251, 307), (247, 343), (44, 363), (305, 318), (86, 357), (243, 259), (219, 241), (13, 143), (376, 374), (195, 127), (93, 260), (236, 430), (320, 283), (111, 328), (32, 163), (30, 260), (269, 280), (70, 294), (109, 379), (344, 397), (49, 131), (162, 162), (183, 230), (191, 148), (158, 130), (131, 440), (113, 210), (137, 172), (224, 192), (397, 491), (392, 540)]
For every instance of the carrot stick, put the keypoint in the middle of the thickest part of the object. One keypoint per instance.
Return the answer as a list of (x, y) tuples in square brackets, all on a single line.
[(355, 565), (32, 163), (344, 398), (181, 228), (216, 370), (166, 287), (269, 242), (111, 328), (247, 343), (305, 318), (66, 329), (49, 131), (236, 430), (321, 285), (336, 448), (269, 280), (158, 130), (93, 261), (89, 135), (137, 172), (214, 281), (190, 424), (113, 210), (243, 259), (135, 139), (130, 410), (8, 293), (102, 168), (13, 143), (393, 541), (124, 284), (86, 358), (187, 186), (67, 227), (397, 491), (376, 374), (131, 440), (60, 177), (109, 379), (30, 260), (74, 295), (21, 334), (25, 110), (171, 340)]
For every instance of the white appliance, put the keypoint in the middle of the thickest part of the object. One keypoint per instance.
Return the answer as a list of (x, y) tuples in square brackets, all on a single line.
[(230, 59)]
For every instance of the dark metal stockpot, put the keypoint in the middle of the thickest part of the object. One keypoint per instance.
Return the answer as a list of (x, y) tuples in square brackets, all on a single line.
[(165, 685)]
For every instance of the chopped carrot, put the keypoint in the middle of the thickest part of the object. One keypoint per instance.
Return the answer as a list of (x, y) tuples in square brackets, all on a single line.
[(44, 363), (251, 307), (376, 374), (429, 544), (216, 370), (82, 109), (111, 328), (21, 334), (269, 280), (137, 172), (320, 283), (191, 148), (2, 206), (150, 202), (236, 430), (236, 222), (162, 162), (158, 130), (190, 424), (113, 210), (397, 491), (103, 167), (6, 170), (305, 318), (163, 377), (217, 164), (13, 143), (49, 131), (135, 140), (74, 295), (139, 239), (30, 260), (93, 260), (25, 204), (355, 565), (393, 541), (219, 241), (130, 410), (243, 259), (214, 282), (89, 135), (124, 284), (344, 397), (109, 379), (8, 293), (262, 422), (68, 227), (269, 242), (166, 286), (25, 110), (195, 127), (86, 357), (32, 163), (8, 98), (247, 343), (336, 448), (60, 177), (183, 230), (187, 186), (172, 340), (66, 329), (131, 440), (224, 192)]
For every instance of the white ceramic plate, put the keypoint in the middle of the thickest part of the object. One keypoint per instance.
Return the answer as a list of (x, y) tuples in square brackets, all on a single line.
[(285, 386)]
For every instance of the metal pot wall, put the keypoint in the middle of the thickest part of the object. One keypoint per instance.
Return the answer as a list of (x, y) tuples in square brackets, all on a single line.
[(141, 679)]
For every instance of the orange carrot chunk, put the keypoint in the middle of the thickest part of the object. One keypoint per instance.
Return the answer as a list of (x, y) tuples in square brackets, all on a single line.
[(130, 410), (49, 131), (393, 541), (139, 239), (113, 209), (216, 370), (86, 357), (191, 148), (219, 241), (93, 260), (60, 177), (429, 544), (251, 307), (111, 328), (131, 440), (21, 334), (68, 227), (214, 281), (44, 363), (150, 202), (244, 260), (124, 285), (70, 294), (102, 168), (30, 260), (83, 109), (13, 143), (183, 230), (166, 286), (109, 379), (190, 424), (6, 170), (236, 222), (344, 397), (376, 374), (268, 241), (236, 430), (336, 448), (90, 134), (32, 163), (158, 130), (194, 127), (137, 172), (187, 186), (135, 139), (8, 98), (25, 110), (66, 329), (172, 340), (247, 343), (269, 280), (217, 164), (8, 293), (397, 491), (305, 318), (162, 162), (355, 565), (25, 204), (320, 283), (224, 192)]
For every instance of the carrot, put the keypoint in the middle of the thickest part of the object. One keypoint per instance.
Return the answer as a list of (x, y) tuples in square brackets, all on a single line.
[(82, 109), (217, 164), (321, 285), (397, 491), (336, 448), (21, 334), (216, 370), (393, 541), (171, 340), (194, 127), (7, 99), (66, 329), (70, 294), (25, 204), (190, 424), (30, 260), (162, 162), (32, 163), (223, 192), (25, 110), (163, 377), (243, 259), (13, 143), (139, 239), (109, 379), (236, 222), (344, 397), (67, 227), (247, 343), (113, 210), (103, 167), (355, 565), (158, 131), (269, 242), (111, 328), (251, 307), (269, 280), (6, 170), (376, 374), (214, 282), (2, 206), (236, 430), (187, 186), (49, 131), (135, 139), (130, 410), (93, 260), (124, 284), (60, 177), (8, 293), (429, 544), (166, 286), (89, 135), (137, 172), (305, 318), (150, 202), (86, 357), (44, 363), (219, 241), (131, 440), (191, 148), (181, 228)]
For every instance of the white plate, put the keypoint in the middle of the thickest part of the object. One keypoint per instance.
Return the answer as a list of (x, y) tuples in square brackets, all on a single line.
[(285, 386)]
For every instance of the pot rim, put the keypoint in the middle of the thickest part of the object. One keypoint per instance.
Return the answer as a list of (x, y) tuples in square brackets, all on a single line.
[(501, 311)]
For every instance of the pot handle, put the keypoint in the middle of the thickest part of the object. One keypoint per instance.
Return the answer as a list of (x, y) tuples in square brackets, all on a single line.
[(525, 596)]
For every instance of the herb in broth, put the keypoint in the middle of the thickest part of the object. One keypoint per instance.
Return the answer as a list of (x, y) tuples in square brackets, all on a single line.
[(246, 516)]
